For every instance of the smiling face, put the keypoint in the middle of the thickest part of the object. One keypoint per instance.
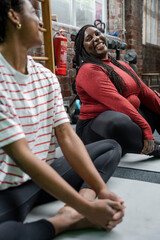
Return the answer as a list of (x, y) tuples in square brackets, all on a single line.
[(31, 31), (95, 43)]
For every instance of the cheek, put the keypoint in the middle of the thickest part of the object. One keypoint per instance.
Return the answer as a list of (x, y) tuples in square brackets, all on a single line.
[(85, 47), (88, 47), (103, 39)]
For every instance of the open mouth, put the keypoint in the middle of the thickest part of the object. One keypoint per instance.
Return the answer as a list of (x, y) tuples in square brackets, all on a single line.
[(100, 45), (41, 29)]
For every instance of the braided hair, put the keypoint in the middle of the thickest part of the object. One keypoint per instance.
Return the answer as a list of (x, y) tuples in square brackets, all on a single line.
[(5, 5), (108, 70)]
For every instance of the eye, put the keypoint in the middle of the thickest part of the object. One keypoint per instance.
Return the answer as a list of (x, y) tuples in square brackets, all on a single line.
[(34, 12), (88, 38), (97, 33)]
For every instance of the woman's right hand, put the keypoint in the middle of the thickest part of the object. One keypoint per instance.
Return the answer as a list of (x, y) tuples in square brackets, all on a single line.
[(148, 146), (103, 212)]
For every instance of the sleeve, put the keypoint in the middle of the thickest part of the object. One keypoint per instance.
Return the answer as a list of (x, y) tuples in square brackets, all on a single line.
[(99, 87), (60, 113), (147, 96), (10, 129)]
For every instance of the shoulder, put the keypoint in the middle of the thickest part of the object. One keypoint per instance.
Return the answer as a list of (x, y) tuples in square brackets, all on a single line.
[(131, 68), (89, 69), (32, 64), (90, 66), (40, 70), (91, 74), (125, 64)]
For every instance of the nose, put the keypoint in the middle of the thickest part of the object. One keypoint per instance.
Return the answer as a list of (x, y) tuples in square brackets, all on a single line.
[(40, 24), (96, 37)]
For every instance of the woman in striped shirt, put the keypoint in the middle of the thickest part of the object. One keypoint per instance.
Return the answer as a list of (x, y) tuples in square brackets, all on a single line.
[(31, 116)]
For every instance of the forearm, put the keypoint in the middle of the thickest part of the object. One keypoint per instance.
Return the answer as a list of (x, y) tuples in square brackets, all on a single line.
[(45, 176), (149, 99), (78, 157), (99, 212)]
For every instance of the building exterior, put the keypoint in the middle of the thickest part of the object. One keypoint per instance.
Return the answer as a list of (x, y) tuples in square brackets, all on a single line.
[(135, 22)]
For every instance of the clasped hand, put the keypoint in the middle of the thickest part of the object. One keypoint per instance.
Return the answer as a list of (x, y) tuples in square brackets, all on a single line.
[(106, 213), (108, 210)]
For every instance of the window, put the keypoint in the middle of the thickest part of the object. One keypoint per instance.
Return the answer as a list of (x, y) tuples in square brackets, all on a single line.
[(79, 12), (151, 22)]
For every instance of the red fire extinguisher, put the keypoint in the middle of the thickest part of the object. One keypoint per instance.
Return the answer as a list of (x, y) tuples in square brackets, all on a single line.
[(60, 50)]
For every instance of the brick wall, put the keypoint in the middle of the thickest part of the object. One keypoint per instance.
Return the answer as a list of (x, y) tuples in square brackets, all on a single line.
[(133, 17), (114, 18), (151, 58)]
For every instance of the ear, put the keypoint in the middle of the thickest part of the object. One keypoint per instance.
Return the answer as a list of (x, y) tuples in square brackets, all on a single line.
[(13, 17)]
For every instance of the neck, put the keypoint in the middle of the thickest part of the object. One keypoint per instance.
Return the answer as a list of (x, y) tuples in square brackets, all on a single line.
[(105, 56), (15, 55)]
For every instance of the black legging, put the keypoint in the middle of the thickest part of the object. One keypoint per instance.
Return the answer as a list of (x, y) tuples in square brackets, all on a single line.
[(16, 202), (117, 126)]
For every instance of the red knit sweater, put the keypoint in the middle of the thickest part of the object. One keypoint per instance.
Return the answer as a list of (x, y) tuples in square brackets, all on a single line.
[(98, 94)]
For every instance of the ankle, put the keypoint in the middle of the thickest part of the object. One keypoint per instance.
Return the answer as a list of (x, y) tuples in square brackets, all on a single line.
[(65, 219)]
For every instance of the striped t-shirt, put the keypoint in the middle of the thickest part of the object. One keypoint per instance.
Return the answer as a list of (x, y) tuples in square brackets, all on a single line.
[(31, 106)]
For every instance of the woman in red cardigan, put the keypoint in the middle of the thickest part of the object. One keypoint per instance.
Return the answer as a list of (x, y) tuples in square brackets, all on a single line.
[(116, 104)]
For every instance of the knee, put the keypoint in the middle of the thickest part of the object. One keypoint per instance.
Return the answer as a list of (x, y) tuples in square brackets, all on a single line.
[(120, 122), (113, 148), (117, 151), (110, 159), (109, 122)]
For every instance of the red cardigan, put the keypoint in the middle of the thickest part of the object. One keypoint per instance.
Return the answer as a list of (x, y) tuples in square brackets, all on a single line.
[(98, 94)]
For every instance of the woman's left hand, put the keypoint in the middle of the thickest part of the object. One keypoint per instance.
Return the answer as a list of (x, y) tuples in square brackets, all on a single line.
[(105, 193), (148, 146), (117, 218), (119, 214)]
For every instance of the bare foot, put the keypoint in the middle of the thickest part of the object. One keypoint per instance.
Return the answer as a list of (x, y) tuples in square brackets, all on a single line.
[(90, 195), (69, 219), (107, 194)]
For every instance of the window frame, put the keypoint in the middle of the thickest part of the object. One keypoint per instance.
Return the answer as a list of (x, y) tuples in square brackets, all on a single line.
[(147, 28), (73, 13)]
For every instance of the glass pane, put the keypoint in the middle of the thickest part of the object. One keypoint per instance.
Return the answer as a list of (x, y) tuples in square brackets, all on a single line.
[(153, 23), (62, 8), (78, 12), (148, 21), (158, 41), (84, 12)]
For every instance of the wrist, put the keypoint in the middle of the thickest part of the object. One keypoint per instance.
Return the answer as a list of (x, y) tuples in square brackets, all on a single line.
[(82, 205), (105, 193), (86, 209), (88, 212), (99, 187), (103, 190)]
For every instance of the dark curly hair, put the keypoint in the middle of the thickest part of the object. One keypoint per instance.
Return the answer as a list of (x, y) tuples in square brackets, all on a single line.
[(108, 70), (5, 5)]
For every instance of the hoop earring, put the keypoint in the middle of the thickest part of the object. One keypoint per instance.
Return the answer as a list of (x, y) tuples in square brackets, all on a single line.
[(18, 26)]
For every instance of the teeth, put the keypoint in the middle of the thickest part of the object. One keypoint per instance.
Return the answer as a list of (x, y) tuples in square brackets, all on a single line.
[(99, 45)]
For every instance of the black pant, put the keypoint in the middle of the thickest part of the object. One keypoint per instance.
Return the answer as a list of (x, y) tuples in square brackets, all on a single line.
[(16, 202), (117, 126)]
